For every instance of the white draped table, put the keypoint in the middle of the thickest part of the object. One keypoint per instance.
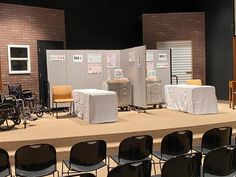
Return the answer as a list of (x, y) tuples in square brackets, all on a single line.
[(191, 98), (96, 106)]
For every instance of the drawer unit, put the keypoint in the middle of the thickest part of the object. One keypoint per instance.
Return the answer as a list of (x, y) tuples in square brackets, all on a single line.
[(154, 92), (123, 90)]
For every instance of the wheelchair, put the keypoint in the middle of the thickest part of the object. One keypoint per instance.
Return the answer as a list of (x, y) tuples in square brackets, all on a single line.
[(29, 100)]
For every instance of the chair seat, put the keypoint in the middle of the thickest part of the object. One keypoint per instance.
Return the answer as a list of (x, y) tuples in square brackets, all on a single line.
[(203, 151), (44, 172), (231, 175), (163, 157), (81, 175), (63, 100), (5, 172), (124, 161), (82, 168)]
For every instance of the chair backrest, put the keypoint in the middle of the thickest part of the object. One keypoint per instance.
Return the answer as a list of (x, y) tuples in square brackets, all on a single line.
[(184, 165), (217, 137), (88, 153), (61, 92), (5, 168), (177, 143), (15, 90), (136, 147), (34, 158), (232, 85), (220, 161), (194, 82), (137, 169)]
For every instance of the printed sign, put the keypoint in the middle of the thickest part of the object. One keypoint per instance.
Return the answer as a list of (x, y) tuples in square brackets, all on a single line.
[(78, 58), (162, 65), (162, 56), (57, 57)]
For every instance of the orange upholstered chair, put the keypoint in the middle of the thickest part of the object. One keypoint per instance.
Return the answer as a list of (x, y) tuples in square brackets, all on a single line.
[(232, 93), (62, 94), (194, 82)]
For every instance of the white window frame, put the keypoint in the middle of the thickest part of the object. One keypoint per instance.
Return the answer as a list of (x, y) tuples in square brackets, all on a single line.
[(28, 71)]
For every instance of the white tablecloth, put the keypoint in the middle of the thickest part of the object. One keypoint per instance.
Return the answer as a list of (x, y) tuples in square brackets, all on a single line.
[(96, 106), (191, 98)]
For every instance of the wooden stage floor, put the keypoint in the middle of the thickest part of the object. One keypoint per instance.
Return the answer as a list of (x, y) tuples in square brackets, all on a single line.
[(66, 131)]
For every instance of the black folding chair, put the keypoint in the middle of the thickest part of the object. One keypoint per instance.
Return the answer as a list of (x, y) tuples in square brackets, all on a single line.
[(214, 138), (135, 169), (220, 162), (86, 156), (36, 160), (5, 167), (174, 144), (81, 175), (133, 149), (185, 165)]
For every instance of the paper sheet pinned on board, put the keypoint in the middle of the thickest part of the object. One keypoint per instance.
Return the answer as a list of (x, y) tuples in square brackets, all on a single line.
[(111, 60), (94, 68), (150, 66), (132, 56), (94, 58), (149, 55)]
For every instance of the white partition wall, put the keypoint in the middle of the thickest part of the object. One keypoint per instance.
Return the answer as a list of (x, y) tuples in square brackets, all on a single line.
[(133, 63), (160, 62), (92, 69), (56, 69), (81, 68), (76, 68)]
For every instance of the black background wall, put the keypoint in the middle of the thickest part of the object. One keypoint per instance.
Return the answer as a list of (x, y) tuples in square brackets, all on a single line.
[(219, 46), (96, 24)]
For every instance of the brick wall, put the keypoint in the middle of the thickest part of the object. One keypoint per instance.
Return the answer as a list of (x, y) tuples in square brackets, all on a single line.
[(24, 25), (178, 26)]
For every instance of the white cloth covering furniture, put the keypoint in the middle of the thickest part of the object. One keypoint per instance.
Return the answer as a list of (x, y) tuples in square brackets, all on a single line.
[(191, 98), (96, 106)]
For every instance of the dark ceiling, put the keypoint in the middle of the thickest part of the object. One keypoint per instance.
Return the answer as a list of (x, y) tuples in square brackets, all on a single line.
[(57, 4), (145, 5)]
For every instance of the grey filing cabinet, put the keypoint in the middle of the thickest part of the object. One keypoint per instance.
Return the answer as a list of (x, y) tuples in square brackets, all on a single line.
[(154, 92), (123, 90)]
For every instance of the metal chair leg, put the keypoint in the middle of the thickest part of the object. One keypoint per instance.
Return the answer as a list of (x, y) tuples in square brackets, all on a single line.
[(56, 111), (52, 108), (73, 104), (70, 107)]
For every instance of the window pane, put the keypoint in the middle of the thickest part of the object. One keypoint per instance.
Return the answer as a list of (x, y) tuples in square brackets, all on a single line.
[(18, 52), (19, 65)]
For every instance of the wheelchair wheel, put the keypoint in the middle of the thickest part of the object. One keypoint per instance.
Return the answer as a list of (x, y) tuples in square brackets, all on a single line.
[(39, 110), (7, 117)]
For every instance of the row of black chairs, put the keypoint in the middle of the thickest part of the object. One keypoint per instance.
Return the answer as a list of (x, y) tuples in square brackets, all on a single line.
[(91, 155), (218, 162)]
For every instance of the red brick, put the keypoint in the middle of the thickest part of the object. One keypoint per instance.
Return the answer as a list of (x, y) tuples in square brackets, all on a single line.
[(178, 26), (24, 25)]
